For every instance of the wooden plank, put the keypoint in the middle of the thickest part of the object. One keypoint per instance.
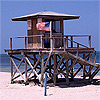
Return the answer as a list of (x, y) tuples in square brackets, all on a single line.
[(81, 60)]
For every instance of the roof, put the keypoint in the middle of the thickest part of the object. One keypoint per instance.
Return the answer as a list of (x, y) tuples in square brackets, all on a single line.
[(46, 14)]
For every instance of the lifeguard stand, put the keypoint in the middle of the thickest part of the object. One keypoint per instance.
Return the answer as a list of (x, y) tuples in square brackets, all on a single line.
[(45, 16), (60, 56)]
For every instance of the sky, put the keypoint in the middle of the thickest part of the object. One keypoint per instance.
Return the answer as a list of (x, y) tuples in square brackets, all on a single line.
[(87, 24)]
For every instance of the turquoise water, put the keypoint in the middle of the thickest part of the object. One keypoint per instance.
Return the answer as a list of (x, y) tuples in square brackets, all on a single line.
[(5, 62)]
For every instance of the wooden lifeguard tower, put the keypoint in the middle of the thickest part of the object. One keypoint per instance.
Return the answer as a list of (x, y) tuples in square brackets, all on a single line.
[(58, 55)]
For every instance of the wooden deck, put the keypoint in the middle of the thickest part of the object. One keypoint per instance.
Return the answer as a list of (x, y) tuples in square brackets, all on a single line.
[(47, 50)]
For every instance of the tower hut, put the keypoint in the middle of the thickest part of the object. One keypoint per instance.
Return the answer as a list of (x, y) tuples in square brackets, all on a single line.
[(61, 54)]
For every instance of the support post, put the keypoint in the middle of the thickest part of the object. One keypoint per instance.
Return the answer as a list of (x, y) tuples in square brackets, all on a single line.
[(71, 60), (26, 72), (42, 67), (11, 65), (90, 67), (50, 67), (55, 65), (67, 72), (90, 58), (83, 67), (51, 39)]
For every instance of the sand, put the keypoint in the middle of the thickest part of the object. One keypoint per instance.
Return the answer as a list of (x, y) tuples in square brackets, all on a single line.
[(30, 92)]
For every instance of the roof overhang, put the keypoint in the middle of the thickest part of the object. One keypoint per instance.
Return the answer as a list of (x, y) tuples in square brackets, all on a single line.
[(46, 15)]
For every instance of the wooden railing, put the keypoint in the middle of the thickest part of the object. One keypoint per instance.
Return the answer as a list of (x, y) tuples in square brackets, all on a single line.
[(65, 39)]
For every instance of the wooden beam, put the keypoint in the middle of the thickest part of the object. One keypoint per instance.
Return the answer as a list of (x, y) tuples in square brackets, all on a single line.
[(72, 64), (19, 65), (11, 66), (50, 67), (31, 67), (43, 68), (83, 67), (89, 41), (34, 66), (25, 42), (90, 67), (17, 68), (67, 72), (22, 73), (78, 70), (26, 78), (55, 66), (11, 43), (95, 72), (47, 62), (60, 62)]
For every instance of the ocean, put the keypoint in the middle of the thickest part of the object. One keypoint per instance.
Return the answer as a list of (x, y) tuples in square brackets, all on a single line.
[(5, 63)]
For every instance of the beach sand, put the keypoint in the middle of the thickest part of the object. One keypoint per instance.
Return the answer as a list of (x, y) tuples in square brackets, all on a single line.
[(30, 92)]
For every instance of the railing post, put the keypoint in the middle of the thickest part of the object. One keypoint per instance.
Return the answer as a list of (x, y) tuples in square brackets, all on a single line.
[(89, 41), (77, 49), (24, 42), (41, 42), (64, 44), (95, 57), (53, 43), (66, 41), (11, 43), (72, 42)]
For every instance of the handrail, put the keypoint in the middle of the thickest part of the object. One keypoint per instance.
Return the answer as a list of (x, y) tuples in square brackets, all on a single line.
[(26, 36), (78, 35), (42, 37), (67, 39)]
